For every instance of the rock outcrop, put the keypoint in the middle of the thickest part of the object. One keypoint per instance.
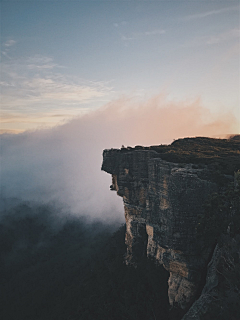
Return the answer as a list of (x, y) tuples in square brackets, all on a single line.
[(162, 203), (220, 297)]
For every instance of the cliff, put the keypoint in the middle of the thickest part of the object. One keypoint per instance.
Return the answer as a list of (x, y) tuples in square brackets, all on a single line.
[(220, 297), (164, 189)]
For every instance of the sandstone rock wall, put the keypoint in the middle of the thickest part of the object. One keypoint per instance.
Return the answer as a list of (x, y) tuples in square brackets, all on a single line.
[(220, 297), (162, 201)]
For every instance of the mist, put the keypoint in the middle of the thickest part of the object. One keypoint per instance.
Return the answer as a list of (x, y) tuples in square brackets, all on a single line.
[(62, 165)]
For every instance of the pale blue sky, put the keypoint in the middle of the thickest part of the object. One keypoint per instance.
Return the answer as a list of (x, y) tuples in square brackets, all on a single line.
[(63, 58)]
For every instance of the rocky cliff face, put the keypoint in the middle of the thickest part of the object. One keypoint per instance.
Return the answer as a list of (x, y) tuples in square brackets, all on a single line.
[(162, 202), (220, 297)]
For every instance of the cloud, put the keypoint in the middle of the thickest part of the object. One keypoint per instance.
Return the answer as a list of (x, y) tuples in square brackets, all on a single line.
[(119, 24), (154, 32), (63, 164), (127, 38), (6, 48), (209, 40), (10, 43), (222, 37), (34, 85), (39, 62), (2, 131), (31, 120), (211, 13), (137, 35)]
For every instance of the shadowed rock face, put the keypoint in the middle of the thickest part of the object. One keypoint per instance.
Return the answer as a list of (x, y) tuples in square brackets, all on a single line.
[(162, 201)]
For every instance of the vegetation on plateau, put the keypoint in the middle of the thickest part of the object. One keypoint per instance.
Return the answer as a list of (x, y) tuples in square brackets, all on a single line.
[(221, 155)]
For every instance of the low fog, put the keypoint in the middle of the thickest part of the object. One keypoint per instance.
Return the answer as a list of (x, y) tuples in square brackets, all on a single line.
[(63, 165), (60, 254)]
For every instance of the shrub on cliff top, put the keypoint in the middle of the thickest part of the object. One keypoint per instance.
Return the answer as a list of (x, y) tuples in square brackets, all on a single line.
[(221, 154)]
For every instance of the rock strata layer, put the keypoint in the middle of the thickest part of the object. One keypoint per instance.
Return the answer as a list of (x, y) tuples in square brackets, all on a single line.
[(162, 201), (220, 297)]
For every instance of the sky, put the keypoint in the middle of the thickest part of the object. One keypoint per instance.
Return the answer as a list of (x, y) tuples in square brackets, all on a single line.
[(62, 165), (64, 59), (78, 77)]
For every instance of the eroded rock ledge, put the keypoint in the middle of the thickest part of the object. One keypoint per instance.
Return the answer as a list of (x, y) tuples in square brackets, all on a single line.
[(162, 202)]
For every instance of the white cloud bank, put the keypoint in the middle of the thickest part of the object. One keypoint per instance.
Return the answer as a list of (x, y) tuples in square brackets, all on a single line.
[(63, 164)]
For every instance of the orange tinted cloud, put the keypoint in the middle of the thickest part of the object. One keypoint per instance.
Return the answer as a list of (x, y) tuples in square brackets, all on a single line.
[(63, 164), (157, 120)]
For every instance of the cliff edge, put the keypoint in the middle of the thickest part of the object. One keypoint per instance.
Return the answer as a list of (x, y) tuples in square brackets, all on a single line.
[(164, 189)]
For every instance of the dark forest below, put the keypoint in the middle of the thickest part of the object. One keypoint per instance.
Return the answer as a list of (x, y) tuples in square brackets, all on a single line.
[(71, 269)]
